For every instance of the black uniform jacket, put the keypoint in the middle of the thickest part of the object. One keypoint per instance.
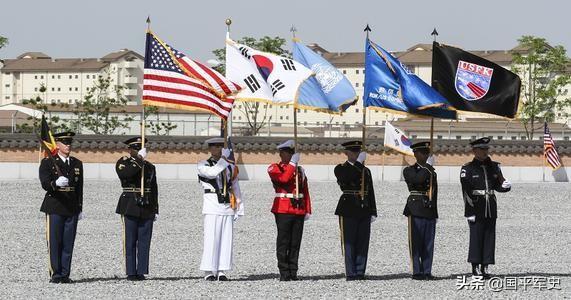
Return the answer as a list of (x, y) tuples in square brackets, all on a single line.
[(65, 201), (130, 203), (418, 180), (480, 180), (351, 203)]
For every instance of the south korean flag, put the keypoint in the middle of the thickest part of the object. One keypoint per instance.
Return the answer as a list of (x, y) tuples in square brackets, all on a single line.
[(264, 76)]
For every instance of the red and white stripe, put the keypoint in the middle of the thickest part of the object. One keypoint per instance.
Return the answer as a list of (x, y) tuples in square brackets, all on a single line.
[(178, 89), (550, 153), (210, 76)]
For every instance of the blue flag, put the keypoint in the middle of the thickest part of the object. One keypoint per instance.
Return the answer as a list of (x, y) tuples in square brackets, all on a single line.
[(329, 91), (389, 84)]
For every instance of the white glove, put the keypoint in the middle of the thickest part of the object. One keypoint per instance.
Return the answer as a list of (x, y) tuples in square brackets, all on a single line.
[(62, 181), (236, 217), (362, 156), (506, 184), (295, 158), (156, 218), (307, 217), (142, 153), (430, 160), (226, 152), (471, 219), (81, 216), (373, 219)]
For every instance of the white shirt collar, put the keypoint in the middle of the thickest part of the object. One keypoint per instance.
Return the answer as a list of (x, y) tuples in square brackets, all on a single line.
[(63, 158)]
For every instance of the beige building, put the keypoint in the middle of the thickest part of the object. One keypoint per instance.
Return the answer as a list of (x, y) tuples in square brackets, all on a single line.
[(67, 80)]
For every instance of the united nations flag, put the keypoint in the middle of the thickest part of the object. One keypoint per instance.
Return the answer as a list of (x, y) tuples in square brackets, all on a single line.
[(329, 90)]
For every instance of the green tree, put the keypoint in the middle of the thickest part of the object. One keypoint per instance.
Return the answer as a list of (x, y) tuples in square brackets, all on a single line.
[(102, 110), (56, 123), (154, 124), (256, 113), (543, 71), (3, 42)]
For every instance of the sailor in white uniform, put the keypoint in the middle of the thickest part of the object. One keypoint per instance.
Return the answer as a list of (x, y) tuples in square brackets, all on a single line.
[(222, 206)]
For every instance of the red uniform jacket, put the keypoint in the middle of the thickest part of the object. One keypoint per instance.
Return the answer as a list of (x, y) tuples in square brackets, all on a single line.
[(283, 178)]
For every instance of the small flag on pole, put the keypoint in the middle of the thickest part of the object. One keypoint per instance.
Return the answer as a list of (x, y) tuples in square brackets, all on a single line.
[(47, 138), (549, 151), (173, 80), (397, 140)]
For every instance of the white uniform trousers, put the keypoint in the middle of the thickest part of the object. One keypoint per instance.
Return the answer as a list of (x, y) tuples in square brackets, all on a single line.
[(217, 251)]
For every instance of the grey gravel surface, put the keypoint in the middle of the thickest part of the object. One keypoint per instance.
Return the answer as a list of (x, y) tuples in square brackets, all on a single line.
[(533, 239)]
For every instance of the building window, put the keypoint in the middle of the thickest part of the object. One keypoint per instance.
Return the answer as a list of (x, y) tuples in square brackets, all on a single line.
[(514, 138), (500, 137), (53, 89), (344, 123), (357, 71), (70, 101), (458, 137), (344, 71), (304, 124), (53, 77), (356, 84), (41, 76), (281, 118), (439, 137), (87, 76), (7, 85), (70, 89), (523, 138), (59, 77), (287, 117), (473, 137), (35, 76), (376, 122), (76, 76), (70, 77), (76, 89), (7, 97), (356, 110), (59, 89), (35, 89)]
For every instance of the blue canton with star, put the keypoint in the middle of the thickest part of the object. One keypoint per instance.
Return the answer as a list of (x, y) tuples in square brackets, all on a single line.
[(158, 58)]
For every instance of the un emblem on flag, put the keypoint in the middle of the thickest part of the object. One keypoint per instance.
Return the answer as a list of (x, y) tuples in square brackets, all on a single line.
[(472, 80)]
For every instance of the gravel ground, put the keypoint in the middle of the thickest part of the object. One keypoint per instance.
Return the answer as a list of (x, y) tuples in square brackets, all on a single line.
[(533, 238)]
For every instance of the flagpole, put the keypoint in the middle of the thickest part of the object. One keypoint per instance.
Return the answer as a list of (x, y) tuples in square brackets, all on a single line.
[(225, 126), (143, 125), (434, 34), (293, 30), (364, 134)]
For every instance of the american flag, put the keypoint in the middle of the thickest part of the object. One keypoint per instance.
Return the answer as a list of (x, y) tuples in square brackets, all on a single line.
[(551, 156), (167, 84)]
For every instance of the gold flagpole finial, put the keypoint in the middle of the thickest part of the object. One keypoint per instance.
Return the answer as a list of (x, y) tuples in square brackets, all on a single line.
[(148, 23), (228, 22)]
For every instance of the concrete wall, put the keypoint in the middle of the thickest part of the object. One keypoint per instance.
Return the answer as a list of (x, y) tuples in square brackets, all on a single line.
[(257, 172)]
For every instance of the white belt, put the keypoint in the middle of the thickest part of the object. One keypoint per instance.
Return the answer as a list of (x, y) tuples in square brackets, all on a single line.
[(293, 196)]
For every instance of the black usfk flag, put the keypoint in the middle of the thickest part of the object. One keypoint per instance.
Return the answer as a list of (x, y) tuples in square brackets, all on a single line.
[(471, 83)]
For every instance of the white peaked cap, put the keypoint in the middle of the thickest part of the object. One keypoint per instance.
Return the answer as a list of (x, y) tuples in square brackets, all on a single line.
[(287, 144)]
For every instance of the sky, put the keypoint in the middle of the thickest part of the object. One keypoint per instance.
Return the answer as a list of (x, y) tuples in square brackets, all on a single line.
[(72, 28)]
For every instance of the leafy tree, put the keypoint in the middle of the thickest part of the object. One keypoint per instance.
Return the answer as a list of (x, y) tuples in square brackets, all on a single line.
[(55, 122), (102, 110), (3, 42), (543, 71), (256, 113), (156, 126)]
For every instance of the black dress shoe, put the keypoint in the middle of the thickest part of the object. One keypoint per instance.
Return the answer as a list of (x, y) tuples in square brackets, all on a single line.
[(360, 277), (132, 277), (66, 280), (285, 277), (351, 278), (141, 277), (428, 277), (417, 277), (293, 277), (55, 280), (475, 270), (484, 271), (210, 278), (223, 278)]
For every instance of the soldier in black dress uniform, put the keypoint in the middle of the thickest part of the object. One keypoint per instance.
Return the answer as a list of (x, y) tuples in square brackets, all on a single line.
[(480, 179), (62, 178), (421, 211), (356, 210), (137, 212)]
